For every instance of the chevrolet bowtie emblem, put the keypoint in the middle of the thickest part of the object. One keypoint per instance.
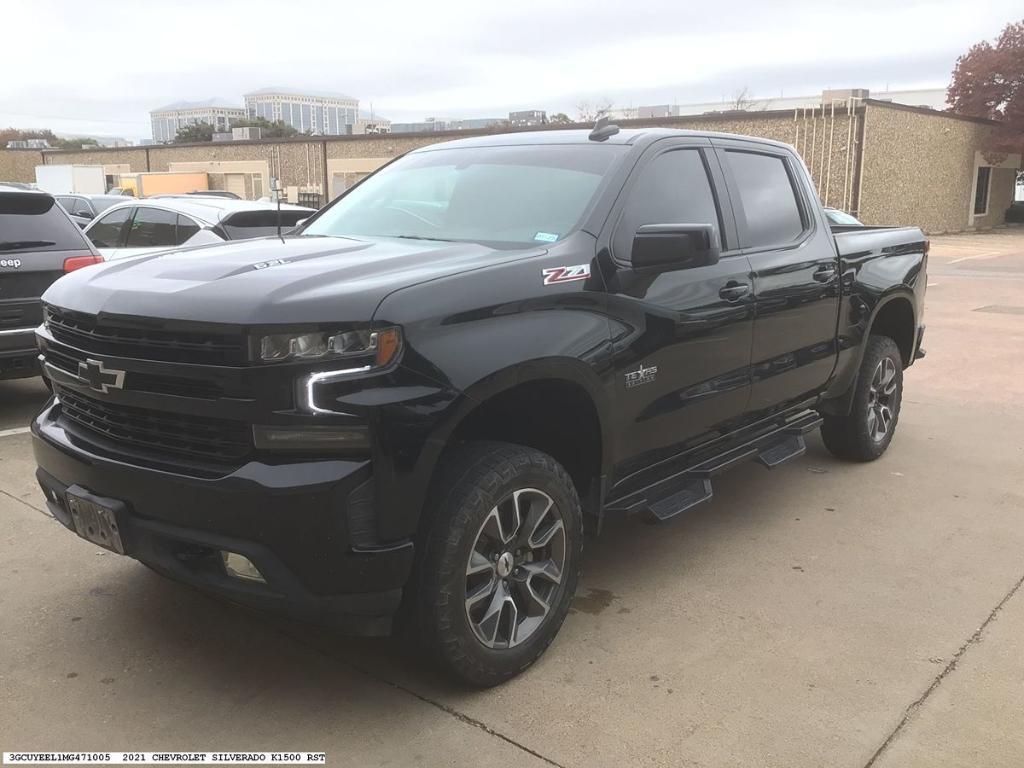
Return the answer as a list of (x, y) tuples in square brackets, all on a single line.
[(99, 377)]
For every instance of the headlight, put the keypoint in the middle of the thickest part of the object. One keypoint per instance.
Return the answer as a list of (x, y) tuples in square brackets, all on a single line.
[(380, 347)]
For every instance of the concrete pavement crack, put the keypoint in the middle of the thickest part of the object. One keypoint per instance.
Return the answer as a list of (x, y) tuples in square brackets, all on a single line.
[(460, 716), (947, 670), (22, 501)]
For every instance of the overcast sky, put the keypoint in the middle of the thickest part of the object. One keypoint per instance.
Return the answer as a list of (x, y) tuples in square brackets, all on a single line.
[(99, 67)]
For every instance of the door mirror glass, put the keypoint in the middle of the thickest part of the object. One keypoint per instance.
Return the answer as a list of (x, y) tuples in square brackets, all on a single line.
[(674, 246)]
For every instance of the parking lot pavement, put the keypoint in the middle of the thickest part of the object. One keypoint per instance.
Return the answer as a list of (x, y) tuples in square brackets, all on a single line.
[(19, 401), (820, 614)]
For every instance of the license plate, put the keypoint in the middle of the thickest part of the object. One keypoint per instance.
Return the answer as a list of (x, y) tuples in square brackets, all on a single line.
[(96, 523)]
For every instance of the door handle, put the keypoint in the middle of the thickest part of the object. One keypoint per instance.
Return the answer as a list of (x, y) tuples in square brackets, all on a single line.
[(734, 291), (825, 272)]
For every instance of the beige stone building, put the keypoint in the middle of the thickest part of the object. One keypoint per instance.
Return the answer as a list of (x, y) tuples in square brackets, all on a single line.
[(885, 163)]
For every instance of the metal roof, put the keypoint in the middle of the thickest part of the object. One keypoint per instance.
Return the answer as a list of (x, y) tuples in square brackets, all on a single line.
[(298, 92), (217, 103)]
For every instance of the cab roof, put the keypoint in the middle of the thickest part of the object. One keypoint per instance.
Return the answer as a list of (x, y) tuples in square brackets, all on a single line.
[(625, 136)]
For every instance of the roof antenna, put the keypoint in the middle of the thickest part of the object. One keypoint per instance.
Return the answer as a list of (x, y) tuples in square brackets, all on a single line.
[(603, 128)]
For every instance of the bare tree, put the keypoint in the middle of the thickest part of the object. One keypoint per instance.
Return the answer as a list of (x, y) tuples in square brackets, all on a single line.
[(741, 100), (588, 111)]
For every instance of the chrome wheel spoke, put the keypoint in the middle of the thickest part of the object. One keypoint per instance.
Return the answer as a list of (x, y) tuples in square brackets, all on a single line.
[(476, 596), (478, 563), (885, 417), (539, 506), (543, 537), (490, 625)]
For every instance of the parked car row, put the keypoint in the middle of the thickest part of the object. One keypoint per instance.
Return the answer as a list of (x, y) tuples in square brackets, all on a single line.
[(134, 226), (38, 244), (42, 238), (84, 208)]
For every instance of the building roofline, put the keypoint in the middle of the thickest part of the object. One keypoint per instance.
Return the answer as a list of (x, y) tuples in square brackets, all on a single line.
[(931, 112), (645, 122), (277, 91)]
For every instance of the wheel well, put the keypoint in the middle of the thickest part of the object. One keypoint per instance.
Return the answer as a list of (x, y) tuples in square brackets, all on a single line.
[(556, 417), (896, 320)]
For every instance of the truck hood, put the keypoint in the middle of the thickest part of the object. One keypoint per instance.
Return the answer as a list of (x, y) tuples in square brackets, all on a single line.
[(306, 279)]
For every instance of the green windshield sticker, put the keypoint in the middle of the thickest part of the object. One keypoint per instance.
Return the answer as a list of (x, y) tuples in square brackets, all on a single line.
[(545, 237)]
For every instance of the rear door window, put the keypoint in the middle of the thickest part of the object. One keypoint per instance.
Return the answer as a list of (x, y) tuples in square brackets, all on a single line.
[(247, 224), (108, 231), (186, 229), (31, 221), (152, 228), (81, 208), (769, 199)]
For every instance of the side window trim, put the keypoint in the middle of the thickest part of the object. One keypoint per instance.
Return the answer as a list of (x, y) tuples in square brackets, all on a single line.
[(719, 190), (157, 208), (122, 235), (800, 193), (177, 226)]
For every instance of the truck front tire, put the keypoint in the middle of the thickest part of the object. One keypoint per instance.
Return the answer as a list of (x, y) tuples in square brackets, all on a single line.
[(498, 562), (865, 432)]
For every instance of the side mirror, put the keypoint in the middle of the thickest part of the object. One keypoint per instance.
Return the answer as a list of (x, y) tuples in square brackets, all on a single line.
[(85, 215), (675, 246), (299, 223)]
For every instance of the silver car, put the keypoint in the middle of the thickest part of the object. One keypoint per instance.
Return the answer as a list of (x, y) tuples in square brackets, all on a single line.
[(84, 208), (157, 224)]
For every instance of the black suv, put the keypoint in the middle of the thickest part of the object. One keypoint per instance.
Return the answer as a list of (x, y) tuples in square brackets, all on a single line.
[(417, 404), (38, 244)]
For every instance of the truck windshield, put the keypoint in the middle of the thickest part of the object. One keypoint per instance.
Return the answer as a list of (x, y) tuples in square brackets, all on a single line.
[(507, 196)]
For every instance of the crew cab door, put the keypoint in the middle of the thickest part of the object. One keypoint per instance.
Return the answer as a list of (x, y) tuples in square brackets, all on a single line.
[(681, 332), (795, 273)]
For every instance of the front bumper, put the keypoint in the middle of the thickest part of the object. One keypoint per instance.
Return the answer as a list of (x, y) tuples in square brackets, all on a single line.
[(291, 520)]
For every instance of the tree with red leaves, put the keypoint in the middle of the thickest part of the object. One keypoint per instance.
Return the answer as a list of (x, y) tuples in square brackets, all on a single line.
[(988, 81)]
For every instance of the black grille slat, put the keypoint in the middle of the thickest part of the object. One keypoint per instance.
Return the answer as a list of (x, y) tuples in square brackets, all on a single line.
[(88, 333), (180, 435), (141, 382)]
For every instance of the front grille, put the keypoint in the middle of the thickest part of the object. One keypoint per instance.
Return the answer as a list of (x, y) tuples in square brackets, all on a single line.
[(67, 360), (159, 434), (106, 337)]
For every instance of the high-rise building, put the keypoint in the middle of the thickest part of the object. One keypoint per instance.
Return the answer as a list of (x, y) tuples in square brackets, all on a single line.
[(527, 117), (322, 114), (169, 119)]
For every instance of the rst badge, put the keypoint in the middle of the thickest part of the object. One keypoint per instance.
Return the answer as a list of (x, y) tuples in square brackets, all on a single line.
[(643, 375), (556, 275)]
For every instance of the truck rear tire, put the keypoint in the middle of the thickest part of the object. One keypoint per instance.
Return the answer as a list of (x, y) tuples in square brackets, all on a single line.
[(498, 563), (865, 432)]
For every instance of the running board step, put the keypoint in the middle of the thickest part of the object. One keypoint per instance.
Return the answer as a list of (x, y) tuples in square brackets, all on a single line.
[(788, 448), (692, 493), (688, 488)]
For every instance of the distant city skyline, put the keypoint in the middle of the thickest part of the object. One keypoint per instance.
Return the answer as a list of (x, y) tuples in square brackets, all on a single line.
[(411, 62)]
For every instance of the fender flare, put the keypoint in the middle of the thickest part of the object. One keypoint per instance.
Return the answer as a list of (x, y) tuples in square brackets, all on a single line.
[(841, 404)]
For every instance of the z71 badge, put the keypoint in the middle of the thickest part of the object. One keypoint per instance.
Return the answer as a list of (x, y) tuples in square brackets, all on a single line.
[(566, 274)]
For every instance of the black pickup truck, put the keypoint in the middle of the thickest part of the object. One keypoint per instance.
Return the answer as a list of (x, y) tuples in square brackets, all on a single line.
[(414, 406)]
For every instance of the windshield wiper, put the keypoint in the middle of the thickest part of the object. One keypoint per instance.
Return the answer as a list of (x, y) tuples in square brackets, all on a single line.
[(11, 245), (421, 237)]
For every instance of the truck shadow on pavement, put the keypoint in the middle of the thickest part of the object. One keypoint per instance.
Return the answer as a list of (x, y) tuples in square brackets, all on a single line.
[(214, 640)]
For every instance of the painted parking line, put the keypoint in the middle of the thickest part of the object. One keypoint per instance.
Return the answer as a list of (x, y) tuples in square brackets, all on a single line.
[(15, 431)]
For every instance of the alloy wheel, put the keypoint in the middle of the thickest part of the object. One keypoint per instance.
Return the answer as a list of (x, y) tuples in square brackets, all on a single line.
[(882, 399), (515, 568)]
